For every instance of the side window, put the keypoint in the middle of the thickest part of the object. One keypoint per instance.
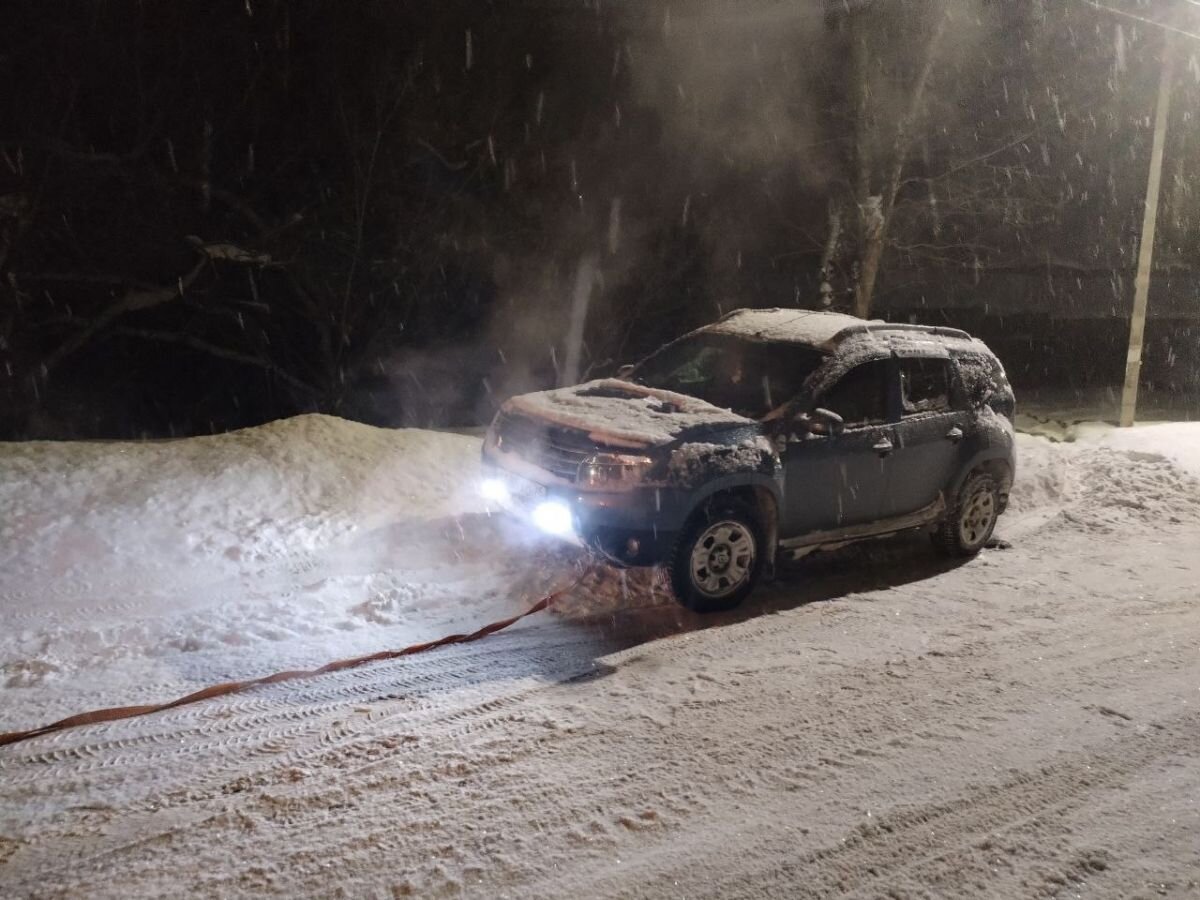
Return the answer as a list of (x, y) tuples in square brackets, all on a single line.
[(860, 398), (925, 385)]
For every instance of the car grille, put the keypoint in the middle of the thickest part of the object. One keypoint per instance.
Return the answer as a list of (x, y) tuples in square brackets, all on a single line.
[(551, 447)]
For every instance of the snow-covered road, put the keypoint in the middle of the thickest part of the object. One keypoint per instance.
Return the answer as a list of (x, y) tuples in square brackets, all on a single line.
[(876, 722)]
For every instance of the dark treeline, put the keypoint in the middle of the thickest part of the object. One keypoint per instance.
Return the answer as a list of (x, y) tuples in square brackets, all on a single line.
[(213, 214)]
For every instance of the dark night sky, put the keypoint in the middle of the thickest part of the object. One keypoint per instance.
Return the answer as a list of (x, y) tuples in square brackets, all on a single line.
[(213, 214)]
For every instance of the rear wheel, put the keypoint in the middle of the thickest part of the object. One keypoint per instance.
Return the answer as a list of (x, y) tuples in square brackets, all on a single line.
[(718, 559), (969, 523)]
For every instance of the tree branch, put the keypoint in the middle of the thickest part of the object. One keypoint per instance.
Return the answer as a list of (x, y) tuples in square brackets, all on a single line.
[(132, 300)]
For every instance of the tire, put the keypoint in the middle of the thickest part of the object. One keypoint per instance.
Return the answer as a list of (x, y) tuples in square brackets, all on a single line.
[(971, 519), (718, 558)]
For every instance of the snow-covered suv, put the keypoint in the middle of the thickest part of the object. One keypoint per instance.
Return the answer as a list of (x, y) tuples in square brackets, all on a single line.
[(771, 432)]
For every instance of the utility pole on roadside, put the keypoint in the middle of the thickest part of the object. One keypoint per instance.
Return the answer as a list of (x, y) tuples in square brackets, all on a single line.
[(1141, 293)]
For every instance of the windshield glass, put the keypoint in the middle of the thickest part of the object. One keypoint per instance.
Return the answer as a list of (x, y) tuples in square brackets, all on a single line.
[(749, 377)]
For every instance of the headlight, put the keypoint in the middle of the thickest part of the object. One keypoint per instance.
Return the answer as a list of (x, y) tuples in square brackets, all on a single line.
[(612, 470)]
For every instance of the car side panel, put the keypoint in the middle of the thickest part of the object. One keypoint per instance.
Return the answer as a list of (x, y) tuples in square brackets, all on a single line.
[(833, 482), (930, 449), (992, 441)]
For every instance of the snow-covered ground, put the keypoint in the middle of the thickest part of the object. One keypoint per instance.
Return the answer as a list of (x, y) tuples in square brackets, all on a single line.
[(875, 722), (132, 571)]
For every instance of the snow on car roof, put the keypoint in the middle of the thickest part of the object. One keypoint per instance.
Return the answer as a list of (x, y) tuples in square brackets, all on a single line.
[(799, 326)]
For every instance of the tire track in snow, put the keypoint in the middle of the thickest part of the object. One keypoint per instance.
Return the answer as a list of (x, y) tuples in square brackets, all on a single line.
[(451, 723), (497, 713), (951, 847), (413, 689), (259, 718), (565, 802)]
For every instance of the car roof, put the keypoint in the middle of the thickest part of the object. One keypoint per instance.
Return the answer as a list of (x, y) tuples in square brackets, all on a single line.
[(790, 326), (822, 329)]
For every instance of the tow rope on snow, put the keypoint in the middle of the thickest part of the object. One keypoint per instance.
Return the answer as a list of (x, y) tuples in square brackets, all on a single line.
[(115, 713)]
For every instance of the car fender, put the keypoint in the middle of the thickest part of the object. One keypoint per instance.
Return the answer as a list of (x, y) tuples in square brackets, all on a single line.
[(736, 481), (988, 454)]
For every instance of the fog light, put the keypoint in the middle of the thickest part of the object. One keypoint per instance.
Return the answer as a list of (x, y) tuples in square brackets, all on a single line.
[(494, 490), (553, 518)]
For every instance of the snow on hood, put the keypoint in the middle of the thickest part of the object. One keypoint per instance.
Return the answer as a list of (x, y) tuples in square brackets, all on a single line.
[(621, 413)]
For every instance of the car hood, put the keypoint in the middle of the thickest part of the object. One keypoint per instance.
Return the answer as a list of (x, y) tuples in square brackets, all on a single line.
[(623, 414)]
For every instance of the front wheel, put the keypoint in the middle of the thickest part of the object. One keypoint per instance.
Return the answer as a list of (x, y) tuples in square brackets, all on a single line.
[(718, 559), (970, 521)]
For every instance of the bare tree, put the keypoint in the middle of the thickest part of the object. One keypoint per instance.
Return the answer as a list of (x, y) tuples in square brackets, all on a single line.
[(883, 141)]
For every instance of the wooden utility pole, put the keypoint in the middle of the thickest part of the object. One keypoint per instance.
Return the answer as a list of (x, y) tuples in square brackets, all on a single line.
[(1141, 292)]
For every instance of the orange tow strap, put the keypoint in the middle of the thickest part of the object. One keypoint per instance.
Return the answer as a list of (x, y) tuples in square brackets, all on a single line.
[(233, 687)]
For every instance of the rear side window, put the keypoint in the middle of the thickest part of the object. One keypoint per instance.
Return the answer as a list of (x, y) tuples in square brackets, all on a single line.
[(925, 385), (985, 382), (860, 398)]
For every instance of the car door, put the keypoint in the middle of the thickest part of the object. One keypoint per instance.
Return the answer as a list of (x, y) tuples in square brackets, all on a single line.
[(839, 479), (933, 422)]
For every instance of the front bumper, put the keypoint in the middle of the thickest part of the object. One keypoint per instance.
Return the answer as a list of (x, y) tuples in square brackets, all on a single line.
[(637, 526)]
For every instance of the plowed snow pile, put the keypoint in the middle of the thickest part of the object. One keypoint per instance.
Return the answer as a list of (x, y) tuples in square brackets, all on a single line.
[(130, 570), (1107, 478), (249, 496)]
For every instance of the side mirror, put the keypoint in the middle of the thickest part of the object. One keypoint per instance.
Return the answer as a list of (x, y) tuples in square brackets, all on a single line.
[(821, 421), (623, 372)]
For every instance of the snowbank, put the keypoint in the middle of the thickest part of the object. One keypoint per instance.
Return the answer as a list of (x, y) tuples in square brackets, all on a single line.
[(257, 494), (1104, 480), (1177, 441)]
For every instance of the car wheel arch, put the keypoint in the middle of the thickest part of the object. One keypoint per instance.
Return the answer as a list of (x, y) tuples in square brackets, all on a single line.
[(999, 467), (759, 497)]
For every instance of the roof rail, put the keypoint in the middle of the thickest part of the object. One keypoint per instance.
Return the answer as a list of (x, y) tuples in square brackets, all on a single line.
[(880, 327)]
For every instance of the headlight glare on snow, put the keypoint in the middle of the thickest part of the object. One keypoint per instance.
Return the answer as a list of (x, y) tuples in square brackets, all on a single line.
[(553, 517), (612, 470), (494, 490)]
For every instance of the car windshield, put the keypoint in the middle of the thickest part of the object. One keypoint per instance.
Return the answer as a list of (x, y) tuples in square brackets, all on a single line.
[(749, 377)]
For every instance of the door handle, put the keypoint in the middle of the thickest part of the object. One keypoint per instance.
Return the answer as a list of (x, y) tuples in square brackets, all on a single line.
[(954, 435), (883, 446)]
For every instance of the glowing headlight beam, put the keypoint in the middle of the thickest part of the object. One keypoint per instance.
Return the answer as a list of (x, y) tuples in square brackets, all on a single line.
[(494, 490), (553, 518)]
